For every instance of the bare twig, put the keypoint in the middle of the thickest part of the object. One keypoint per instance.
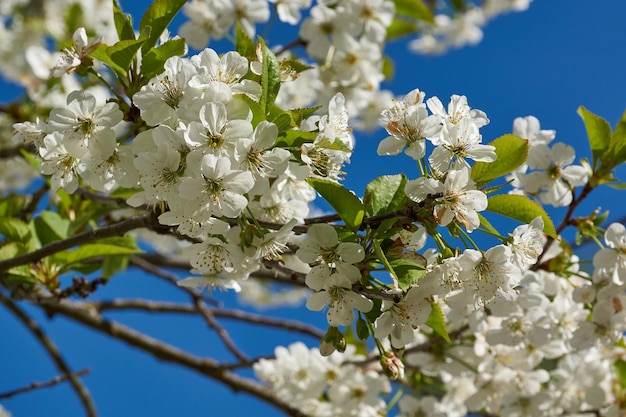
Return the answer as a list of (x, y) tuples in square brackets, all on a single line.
[(39, 385), (209, 318), (55, 355), (166, 307), (163, 351)]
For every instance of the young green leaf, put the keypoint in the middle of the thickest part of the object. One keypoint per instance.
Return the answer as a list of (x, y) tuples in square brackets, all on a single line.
[(14, 230), (157, 18), (616, 152), (385, 194), (400, 28), (437, 321), (122, 53), (243, 44), (598, 132), (50, 227), (407, 272), (521, 208), (12, 205), (415, 9), (153, 62), (103, 56), (295, 138), (104, 247), (270, 78), (123, 23), (511, 152), (347, 205)]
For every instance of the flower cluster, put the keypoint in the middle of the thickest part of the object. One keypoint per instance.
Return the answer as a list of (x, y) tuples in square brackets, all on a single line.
[(301, 376)]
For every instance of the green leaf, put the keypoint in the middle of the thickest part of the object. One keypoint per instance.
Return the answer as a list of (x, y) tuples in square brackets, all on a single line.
[(616, 151), (50, 227), (385, 194), (19, 274), (104, 247), (102, 55), (244, 45), (281, 119), (346, 204), (487, 226), (12, 205), (437, 321), (157, 18), (295, 138), (598, 132), (511, 152), (113, 264), (415, 9), (295, 65), (73, 17), (400, 28), (123, 23), (407, 272), (123, 52), (14, 230), (153, 62), (459, 5), (620, 371), (298, 115), (388, 68), (270, 78), (521, 208)]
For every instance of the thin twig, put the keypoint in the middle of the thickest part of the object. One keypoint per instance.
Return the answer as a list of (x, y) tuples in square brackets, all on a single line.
[(55, 355), (38, 385), (209, 318), (167, 307)]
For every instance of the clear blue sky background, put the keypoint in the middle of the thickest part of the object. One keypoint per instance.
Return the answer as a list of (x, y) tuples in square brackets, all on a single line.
[(545, 62)]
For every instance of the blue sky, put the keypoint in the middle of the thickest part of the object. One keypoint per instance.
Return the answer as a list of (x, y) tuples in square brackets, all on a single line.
[(545, 62)]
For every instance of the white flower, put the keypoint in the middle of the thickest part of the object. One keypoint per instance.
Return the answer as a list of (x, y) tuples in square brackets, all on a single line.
[(459, 141), (207, 21), (218, 190), (408, 124), (529, 128), (59, 163), (458, 110), (400, 320), (258, 155), (289, 10), (72, 58), (556, 177), (215, 134), (485, 273), (527, 243), (341, 303), (161, 99), (86, 126), (460, 200), (613, 258), (334, 260)]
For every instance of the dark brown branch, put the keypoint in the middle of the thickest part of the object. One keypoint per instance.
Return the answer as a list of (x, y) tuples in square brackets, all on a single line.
[(55, 355), (165, 307), (117, 229), (168, 353), (38, 385)]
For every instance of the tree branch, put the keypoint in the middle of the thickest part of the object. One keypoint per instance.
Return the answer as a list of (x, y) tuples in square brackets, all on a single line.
[(166, 307), (39, 385), (55, 355), (165, 352), (117, 229)]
